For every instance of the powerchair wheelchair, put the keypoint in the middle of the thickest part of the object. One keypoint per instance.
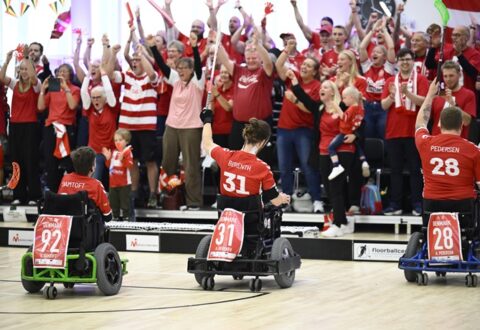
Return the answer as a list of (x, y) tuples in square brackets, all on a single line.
[(89, 259), (264, 251), (416, 262)]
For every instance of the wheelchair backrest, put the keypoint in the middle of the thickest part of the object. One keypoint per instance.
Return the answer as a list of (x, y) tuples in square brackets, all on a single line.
[(247, 205), (59, 204)]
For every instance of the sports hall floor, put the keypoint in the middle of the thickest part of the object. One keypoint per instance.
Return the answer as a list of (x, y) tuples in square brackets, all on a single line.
[(158, 293)]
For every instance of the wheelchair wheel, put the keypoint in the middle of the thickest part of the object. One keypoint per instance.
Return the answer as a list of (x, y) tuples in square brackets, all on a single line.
[(31, 286), (281, 250), (202, 251), (109, 269), (413, 247)]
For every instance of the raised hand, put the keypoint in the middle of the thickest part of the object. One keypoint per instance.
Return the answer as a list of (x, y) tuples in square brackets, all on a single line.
[(9, 56), (107, 153), (209, 4), (150, 40), (291, 44), (90, 42), (221, 3), (168, 2), (193, 39), (105, 40), (116, 48), (63, 83), (45, 85)]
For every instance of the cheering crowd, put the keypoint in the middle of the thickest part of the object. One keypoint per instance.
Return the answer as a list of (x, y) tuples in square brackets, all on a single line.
[(351, 83)]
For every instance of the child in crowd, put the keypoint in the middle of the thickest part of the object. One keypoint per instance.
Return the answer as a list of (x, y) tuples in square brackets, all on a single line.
[(83, 160), (120, 162), (350, 120)]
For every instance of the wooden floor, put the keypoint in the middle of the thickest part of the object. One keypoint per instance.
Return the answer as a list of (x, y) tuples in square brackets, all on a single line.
[(158, 292)]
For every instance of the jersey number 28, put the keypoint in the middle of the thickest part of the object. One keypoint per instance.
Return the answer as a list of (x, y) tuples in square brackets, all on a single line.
[(448, 167)]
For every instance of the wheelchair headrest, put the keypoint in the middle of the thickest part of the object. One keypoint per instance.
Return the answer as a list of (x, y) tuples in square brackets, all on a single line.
[(59, 204), (244, 204)]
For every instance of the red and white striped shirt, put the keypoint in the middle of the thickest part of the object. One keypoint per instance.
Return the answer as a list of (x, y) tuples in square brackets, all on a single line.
[(139, 105), (120, 169)]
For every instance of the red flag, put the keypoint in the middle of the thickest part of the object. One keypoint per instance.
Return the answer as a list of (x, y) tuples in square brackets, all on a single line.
[(61, 24)]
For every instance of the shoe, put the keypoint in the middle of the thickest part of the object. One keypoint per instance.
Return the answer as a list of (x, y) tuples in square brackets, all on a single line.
[(333, 231), (318, 207), (192, 208), (365, 169), (354, 210), (327, 221), (336, 171), (15, 202), (391, 210), (32, 203), (349, 228), (152, 201), (126, 219), (417, 210), (214, 205)]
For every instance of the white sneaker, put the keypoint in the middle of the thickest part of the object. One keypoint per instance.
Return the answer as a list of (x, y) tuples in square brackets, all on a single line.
[(214, 205), (349, 228), (333, 231), (365, 169), (336, 171), (15, 202), (354, 210), (318, 207)]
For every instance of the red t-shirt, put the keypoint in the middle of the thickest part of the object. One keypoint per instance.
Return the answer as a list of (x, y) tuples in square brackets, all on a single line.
[(359, 82), (330, 58), (201, 43), (473, 57), (73, 183), (295, 62), (230, 48), (101, 127), (451, 166), (252, 93), (24, 105), (223, 119), (329, 128), (375, 79), (164, 91), (464, 99), (119, 170), (242, 173), (419, 65), (58, 109), (400, 125), (352, 119), (291, 117)]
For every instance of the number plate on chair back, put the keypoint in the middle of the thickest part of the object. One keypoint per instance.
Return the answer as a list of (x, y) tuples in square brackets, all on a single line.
[(227, 239), (50, 246), (444, 243)]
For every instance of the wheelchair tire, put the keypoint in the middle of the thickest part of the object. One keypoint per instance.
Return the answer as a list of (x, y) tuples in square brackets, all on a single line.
[(202, 251), (282, 249), (413, 247), (109, 269), (31, 286)]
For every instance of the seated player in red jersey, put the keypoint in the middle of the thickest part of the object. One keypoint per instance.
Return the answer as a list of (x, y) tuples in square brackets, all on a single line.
[(451, 164), (83, 160), (242, 173)]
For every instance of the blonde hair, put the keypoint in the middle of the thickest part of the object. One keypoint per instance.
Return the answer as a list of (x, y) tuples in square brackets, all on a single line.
[(124, 133), (353, 91), (353, 68), (336, 94)]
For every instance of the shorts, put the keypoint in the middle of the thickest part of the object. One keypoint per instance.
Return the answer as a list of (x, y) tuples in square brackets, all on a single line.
[(143, 144)]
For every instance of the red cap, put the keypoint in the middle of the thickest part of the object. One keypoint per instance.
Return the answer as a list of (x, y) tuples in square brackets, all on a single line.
[(286, 34), (326, 28)]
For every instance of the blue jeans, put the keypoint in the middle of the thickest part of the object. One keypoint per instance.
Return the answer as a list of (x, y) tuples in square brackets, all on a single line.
[(338, 141), (375, 120), (297, 140)]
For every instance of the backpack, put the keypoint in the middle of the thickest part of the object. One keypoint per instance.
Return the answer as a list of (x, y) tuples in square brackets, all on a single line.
[(370, 200)]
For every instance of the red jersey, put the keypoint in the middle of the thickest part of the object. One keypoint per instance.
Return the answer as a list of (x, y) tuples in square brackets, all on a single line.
[(419, 65), (375, 79), (101, 127), (230, 48), (473, 57), (291, 117), (252, 91), (464, 98), (164, 91), (294, 62), (119, 170), (352, 119), (359, 82), (330, 58), (24, 105), (400, 124), (201, 44), (223, 119), (73, 183), (329, 129), (451, 166), (242, 173), (58, 109)]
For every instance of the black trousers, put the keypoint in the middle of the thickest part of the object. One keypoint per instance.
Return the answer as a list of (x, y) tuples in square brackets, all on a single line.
[(55, 167), (335, 188), (401, 151), (24, 143)]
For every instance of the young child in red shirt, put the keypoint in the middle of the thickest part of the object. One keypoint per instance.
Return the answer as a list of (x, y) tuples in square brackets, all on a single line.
[(83, 160), (350, 120), (119, 162)]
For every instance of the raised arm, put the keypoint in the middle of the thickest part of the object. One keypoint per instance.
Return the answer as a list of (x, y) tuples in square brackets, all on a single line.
[(84, 94), (305, 29), (141, 33), (147, 66), (280, 63), (88, 52), (423, 115), (3, 72), (207, 135), (223, 59), (235, 40), (107, 86), (150, 42), (76, 60), (364, 45), (197, 61), (172, 31), (32, 74), (267, 63)]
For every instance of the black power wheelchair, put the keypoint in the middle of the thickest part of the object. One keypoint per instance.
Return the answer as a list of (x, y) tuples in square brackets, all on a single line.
[(264, 252), (90, 259), (415, 262)]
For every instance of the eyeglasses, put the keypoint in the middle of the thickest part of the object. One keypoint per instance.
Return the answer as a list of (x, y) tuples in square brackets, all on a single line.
[(458, 35), (405, 59)]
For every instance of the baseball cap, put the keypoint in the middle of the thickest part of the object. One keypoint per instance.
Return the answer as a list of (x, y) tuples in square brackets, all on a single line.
[(286, 34), (326, 28)]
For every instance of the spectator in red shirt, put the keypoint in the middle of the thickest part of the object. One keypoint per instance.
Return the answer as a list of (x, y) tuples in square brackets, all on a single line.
[(419, 46), (222, 104), (402, 95), (83, 160), (119, 162), (448, 161), (455, 95), (24, 129), (252, 87), (468, 57), (347, 73), (295, 58), (59, 131), (325, 38)]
